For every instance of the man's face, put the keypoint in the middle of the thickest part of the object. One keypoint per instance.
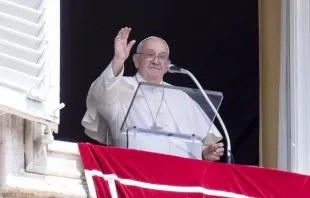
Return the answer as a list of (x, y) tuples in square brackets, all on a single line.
[(152, 60)]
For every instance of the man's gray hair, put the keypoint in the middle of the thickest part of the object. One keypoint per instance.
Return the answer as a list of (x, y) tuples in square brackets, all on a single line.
[(148, 38)]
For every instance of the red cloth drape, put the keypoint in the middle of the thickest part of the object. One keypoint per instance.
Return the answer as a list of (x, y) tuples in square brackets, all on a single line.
[(139, 174)]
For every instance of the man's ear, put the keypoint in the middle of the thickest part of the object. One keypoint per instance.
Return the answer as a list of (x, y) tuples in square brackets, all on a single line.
[(135, 59)]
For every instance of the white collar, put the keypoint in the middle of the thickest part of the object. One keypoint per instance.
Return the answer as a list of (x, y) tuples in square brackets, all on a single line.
[(140, 78)]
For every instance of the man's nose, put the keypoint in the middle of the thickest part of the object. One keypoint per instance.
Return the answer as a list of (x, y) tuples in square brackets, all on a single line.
[(155, 60)]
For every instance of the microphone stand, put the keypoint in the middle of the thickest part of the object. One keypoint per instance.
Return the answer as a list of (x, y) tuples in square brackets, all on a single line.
[(184, 71)]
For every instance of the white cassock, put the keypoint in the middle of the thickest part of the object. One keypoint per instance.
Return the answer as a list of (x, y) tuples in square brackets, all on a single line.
[(109, 99)]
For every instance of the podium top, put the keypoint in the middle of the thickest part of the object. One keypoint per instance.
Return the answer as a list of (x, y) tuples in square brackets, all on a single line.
[(172, 109)]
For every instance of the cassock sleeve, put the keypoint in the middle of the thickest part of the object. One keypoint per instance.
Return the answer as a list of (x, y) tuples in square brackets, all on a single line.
[(102, 105)]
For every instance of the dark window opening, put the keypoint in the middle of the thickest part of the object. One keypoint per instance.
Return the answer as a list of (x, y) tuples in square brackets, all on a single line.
[(217, 42)]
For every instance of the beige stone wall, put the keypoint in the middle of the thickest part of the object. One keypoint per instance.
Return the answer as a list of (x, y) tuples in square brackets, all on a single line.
[(269, 21)]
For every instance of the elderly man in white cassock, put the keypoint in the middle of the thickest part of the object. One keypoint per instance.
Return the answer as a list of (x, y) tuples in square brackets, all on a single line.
[(107, 105)]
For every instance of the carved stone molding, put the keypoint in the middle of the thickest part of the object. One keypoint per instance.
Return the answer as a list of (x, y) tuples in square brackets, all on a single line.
[(31, 168), (48, 157)]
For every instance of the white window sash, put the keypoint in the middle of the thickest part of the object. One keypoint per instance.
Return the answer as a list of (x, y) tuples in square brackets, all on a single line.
[(30, 60), (294, 109)]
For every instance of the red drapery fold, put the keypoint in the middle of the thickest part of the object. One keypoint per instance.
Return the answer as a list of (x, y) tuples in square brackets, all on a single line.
[(127, 173)]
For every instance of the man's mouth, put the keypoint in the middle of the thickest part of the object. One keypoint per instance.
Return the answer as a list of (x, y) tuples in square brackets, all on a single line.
[(157, 68)]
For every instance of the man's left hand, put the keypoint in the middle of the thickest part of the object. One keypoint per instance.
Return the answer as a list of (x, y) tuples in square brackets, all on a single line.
[(213, 152)]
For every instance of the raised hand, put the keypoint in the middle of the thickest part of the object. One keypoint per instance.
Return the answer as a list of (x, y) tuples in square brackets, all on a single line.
[(121, 46), (121, 50)]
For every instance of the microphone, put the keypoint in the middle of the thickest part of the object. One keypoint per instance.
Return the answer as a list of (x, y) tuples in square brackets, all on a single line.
[(174, 69)]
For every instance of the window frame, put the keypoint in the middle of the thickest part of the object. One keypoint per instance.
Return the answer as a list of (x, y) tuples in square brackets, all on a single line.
[(294, 110)]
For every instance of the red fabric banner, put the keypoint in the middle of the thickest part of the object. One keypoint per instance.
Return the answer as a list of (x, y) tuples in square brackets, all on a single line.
[(127, 173)]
